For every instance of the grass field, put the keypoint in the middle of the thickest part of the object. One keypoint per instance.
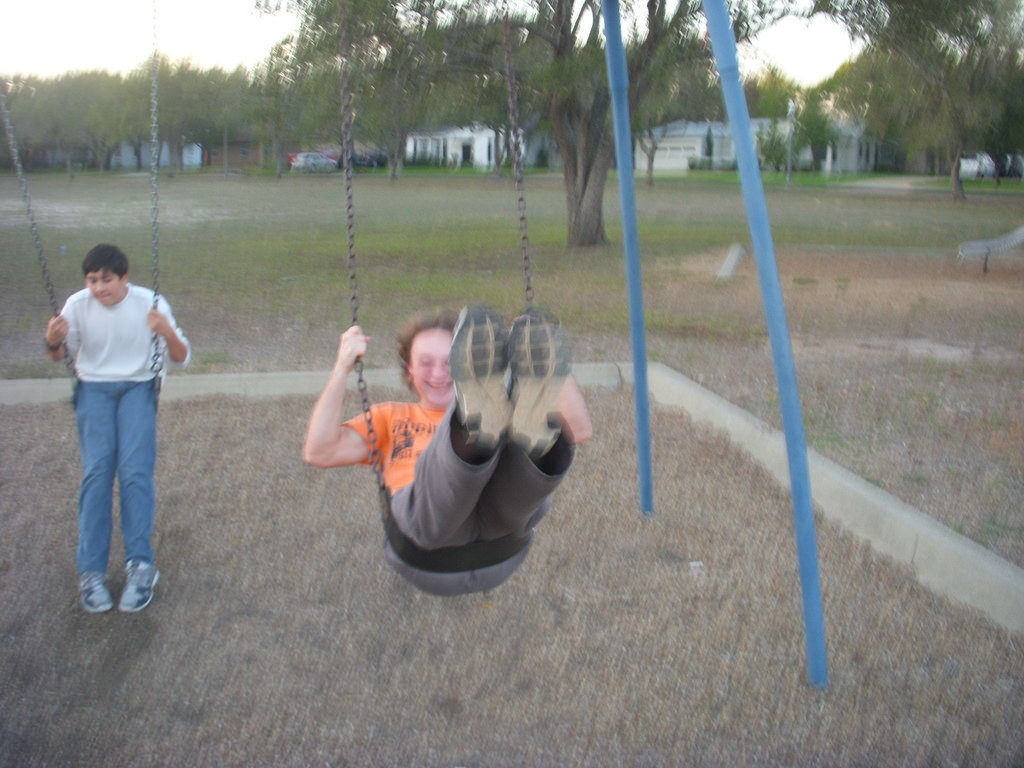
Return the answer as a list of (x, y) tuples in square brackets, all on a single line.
[(910, 364), (280, 639)]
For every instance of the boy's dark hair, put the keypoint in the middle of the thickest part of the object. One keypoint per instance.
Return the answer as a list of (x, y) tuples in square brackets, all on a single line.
[(105, 257), (442, 318)]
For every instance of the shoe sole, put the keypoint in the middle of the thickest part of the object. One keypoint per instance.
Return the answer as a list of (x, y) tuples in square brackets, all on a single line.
[(136, 609), (99, 607), (477, 362), (540, 363), (95, 609)]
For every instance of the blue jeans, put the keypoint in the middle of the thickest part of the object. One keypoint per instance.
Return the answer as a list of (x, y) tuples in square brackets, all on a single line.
[(116, 434)]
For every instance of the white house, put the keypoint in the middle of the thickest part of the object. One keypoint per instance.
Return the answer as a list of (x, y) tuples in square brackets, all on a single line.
[(124, 156), (685, 144), (853, 151), (472, 145)]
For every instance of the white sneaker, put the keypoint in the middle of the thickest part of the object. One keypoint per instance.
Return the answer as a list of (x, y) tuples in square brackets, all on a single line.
[(478, 361), (138, 589), (540, 359), (93, 592)]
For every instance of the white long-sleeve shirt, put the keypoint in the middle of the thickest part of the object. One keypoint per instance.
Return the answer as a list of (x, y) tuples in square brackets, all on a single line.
[(115, 343)]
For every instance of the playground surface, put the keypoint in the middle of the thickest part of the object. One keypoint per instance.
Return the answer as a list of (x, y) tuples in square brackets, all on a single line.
[(279, 636)]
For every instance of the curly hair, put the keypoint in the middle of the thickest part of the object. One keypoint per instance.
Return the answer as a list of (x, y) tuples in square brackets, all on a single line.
[(425, 321)]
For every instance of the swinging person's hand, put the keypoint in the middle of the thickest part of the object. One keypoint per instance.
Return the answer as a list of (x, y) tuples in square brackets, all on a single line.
[(159, 324), (56, 331), (351, 348)]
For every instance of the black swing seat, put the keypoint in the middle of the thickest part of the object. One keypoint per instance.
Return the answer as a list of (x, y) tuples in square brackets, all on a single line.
[(465, 557)]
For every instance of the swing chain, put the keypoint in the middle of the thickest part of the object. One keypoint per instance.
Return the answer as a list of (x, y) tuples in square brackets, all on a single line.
[(12, 145), (517, 159), (376, 458), (157, 363)]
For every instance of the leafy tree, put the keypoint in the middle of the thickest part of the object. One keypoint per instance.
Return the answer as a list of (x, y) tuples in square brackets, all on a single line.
[(871, 90), (950, 52), (1004, 138), (398, 91), (187, 109), (220, 110), (397, 49), (565, 36), (814, 126), (773, 144), (19, 93), (682, 89), (56, 119), (138, 92), (104, 114), (769, 94), (275, 97), (394, 51), (475, 88)]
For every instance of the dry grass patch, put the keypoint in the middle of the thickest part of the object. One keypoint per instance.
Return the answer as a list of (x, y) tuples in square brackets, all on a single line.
[(278, 636)]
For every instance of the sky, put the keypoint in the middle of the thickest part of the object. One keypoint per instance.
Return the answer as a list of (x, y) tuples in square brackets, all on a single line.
[(50, 37), (807, 51)]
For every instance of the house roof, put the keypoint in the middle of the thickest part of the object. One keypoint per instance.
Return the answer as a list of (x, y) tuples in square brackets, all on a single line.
[(699, 128)]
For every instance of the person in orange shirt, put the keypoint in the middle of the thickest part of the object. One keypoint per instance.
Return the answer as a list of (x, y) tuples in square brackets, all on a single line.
[(469, 467)]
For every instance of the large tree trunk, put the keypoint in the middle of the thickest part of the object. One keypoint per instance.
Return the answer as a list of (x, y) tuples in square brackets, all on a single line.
[(957, 182), (650, 148), (584, 197), (584, 141), (499, 151), (69, 166)]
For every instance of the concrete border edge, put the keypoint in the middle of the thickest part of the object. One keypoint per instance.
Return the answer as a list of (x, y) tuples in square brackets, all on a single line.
[(943, 560)]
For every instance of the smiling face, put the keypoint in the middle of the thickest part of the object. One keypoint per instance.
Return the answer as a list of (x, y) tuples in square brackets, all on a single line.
[(428, 368), (106, 287)]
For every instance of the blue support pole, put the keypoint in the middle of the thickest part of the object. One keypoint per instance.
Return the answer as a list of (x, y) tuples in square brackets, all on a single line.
[(615, 57), (724, 45)]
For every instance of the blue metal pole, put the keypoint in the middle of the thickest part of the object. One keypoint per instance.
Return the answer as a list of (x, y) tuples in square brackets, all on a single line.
[(615, 57), (724, 44)]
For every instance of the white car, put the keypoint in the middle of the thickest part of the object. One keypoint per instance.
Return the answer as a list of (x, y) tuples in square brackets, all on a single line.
[(313, 162), (981, 166)]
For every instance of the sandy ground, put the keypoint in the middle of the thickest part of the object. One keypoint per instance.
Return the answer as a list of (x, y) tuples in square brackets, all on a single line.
[(279, 637)]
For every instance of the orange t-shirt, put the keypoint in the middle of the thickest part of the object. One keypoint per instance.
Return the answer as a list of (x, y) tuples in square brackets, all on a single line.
[(402, 431)]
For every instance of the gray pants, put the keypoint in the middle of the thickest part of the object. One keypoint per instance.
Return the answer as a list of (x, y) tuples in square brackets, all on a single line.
[(452, 502)]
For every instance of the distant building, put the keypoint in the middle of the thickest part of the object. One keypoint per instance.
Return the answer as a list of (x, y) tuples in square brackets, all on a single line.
[(472, 145), (685, 144), (125, 156)]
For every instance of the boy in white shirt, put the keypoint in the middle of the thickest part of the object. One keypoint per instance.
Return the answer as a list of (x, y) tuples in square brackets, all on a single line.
[(111, 327)]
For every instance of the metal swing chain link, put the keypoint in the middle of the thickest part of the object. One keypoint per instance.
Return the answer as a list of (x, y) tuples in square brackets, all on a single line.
[(376, 458), (517, 160), (157, 363), (12, 145)]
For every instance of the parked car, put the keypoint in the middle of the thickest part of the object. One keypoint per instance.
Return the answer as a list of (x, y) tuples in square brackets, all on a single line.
[(370, 158), (313, 162), (981, 166), (1011, 166)]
